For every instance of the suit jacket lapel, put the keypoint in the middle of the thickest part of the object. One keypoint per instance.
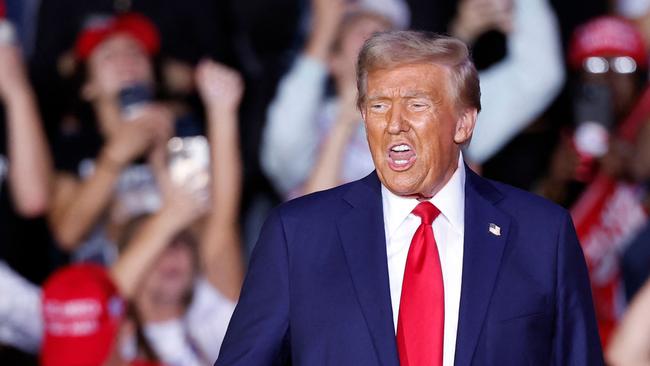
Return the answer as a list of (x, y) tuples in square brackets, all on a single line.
[(364, 243), (486, 233)]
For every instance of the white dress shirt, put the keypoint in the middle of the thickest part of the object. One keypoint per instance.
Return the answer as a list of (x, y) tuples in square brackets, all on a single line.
[(448, 229), (193, 339)]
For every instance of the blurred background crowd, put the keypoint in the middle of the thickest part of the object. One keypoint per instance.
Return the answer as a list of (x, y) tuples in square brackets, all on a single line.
[(142, 143)]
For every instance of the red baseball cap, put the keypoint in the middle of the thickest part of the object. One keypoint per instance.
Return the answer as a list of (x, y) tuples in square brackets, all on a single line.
[(607, 36), (98, 29), (82, 311)]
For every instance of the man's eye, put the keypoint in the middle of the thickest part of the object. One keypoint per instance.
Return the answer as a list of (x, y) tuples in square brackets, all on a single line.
[(418, 106), (378, 107)]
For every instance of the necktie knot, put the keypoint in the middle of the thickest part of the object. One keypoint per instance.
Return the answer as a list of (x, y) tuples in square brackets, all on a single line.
[(426, 211)]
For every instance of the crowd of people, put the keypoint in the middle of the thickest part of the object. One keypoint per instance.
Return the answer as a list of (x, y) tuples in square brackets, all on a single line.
[(143, 142)]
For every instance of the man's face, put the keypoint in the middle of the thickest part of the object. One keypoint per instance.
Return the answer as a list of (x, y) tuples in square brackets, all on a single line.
[(622, 86), (170, 278), (415, 127)]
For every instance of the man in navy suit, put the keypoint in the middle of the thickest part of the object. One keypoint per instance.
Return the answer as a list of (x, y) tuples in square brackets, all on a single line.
[(422, 262)]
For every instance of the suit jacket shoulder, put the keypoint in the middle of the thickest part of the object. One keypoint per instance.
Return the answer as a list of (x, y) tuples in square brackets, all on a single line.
[(317, 205), (321, 208)]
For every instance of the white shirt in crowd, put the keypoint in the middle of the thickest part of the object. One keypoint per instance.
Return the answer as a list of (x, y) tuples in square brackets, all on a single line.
[(21, 323), (194, 339), (448, 229)]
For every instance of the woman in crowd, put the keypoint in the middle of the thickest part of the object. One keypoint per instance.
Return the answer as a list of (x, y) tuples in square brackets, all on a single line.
[(104, 180), (179, 271), (183, 283)]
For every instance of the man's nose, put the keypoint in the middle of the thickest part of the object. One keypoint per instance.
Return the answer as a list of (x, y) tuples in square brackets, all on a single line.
[(396, 121)]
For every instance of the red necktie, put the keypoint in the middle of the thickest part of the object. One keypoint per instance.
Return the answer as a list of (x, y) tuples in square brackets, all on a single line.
[(420, 325)]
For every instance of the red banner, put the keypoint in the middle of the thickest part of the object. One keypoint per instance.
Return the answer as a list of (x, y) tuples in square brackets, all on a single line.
[(607, 216)]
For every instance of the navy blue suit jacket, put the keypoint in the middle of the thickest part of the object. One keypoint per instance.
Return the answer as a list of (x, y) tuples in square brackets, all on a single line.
[(317, 290)]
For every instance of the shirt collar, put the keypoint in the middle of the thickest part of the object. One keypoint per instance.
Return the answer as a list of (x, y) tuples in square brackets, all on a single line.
[(450, 200)]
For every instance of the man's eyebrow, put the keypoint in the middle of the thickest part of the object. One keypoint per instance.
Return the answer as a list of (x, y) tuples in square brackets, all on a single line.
[(415, 94), (376, 96), (407, 94)]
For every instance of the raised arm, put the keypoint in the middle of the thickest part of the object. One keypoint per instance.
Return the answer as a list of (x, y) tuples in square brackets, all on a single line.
[(519, 88), (474, 17), (290, 138), (327, 171), (78, 205), (180, 209), (30, 165), (221, 250)]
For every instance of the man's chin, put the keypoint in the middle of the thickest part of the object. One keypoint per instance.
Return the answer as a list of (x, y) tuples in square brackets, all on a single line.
[(400, 188)]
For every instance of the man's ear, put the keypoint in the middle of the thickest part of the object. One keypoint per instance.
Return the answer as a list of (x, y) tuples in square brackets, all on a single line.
[(465, 125)]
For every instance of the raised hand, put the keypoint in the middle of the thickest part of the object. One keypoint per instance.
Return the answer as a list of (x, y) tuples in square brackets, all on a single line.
[(478, 16), (183, 206), (326, 19), (221, 88), (153, 125), (13, 77)]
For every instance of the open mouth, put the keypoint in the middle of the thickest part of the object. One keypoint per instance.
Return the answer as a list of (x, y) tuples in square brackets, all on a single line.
[(401, 157)]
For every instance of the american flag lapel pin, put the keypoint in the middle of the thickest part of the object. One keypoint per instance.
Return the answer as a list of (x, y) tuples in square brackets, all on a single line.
[(495, 229)]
